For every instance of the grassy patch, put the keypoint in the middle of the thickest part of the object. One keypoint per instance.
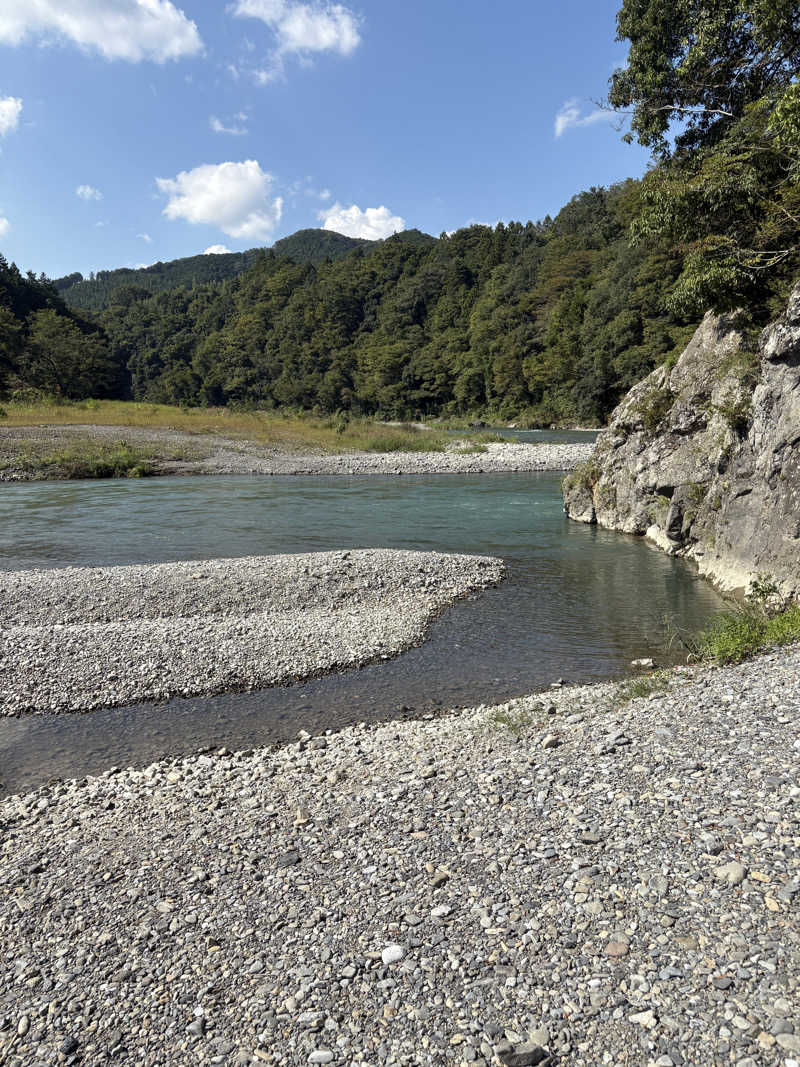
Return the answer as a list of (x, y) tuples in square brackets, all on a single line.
[(400, 440), (642, 687), (90, 459), (516, 721), (293, 432)]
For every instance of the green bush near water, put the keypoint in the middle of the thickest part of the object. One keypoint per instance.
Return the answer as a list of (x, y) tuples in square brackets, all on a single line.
[(734, 635), (403, 442), (99, 461)]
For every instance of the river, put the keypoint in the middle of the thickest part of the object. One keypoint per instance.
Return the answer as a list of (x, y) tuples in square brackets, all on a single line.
[(579, 604)]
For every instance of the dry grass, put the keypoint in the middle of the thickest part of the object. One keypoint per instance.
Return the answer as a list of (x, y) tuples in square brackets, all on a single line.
[(293, 433)]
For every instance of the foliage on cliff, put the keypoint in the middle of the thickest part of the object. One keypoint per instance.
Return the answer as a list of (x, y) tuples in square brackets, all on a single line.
[(712, 89)]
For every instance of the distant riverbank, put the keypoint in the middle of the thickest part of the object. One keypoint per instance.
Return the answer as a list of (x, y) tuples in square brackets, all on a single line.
[(47, 452)]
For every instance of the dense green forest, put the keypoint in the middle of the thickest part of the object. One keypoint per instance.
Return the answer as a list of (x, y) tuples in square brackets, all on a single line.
[(550, 322), (93, 293), (46, 346)]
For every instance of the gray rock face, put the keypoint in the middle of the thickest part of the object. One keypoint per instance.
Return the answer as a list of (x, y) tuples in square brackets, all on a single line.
[(703, 458)]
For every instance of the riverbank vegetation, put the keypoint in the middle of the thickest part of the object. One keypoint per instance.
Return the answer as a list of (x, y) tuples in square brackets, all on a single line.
[(85, 457), (737, 634), (290, 432)]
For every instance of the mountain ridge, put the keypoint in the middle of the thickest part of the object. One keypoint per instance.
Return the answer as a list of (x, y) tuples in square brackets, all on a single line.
[(314, 246)]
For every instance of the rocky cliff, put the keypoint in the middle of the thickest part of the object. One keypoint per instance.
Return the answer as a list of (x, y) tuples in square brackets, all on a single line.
[(703, 457)]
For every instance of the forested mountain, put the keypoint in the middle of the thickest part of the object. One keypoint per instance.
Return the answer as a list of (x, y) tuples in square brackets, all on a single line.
[(315, 246), (552, 321), (94, 293)]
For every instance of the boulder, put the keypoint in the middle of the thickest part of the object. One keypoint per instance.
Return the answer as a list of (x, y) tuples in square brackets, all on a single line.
[(703, 456)]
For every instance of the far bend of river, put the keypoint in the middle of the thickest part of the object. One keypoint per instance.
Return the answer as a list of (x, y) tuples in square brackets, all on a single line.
[(579, 603)]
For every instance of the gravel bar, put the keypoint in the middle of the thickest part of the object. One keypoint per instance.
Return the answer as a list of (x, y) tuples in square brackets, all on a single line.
[(82, 638), (208, 454), (566, 879)]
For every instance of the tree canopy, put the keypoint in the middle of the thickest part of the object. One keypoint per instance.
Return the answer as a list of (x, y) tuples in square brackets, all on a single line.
[(712, 88)]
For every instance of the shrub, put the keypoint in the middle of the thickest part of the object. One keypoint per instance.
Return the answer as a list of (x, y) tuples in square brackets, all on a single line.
[(734, 635), (655, 407), (116, 461), (737, 414), (584, 477), (645, 686)]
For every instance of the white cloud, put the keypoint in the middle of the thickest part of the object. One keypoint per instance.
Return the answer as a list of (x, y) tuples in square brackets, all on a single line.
[(118, 29), (5, 226), (216, 250), (302, 29), (373, 224), (148, 240), (219, 127), (569, 116), (235, 197), (10, 111), (88, 192)]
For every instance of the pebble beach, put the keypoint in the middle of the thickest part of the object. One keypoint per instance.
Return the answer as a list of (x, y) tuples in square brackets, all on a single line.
[(577, 877), (205, 454), (571, 878), (74, 639)]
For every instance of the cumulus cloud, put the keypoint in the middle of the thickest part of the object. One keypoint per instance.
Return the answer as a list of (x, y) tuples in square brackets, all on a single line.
[(216, 250), (148, 240), (118, 29), (301, 30), (374, 223), (10, 111), (5, 226), (88, 192), (569, 117), (235, 197), (219, 127)]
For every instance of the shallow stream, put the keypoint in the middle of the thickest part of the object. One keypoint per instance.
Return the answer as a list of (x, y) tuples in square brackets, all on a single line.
[(579, 604)]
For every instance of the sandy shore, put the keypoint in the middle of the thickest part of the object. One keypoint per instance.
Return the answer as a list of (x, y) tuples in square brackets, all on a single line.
[(181, 453), (569, 879), (80, 638)]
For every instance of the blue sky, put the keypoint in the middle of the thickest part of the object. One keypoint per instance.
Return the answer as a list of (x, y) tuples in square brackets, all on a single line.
[(139, 130)]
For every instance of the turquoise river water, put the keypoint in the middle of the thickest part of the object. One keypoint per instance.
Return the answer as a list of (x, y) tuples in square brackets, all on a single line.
[(579, 604)]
